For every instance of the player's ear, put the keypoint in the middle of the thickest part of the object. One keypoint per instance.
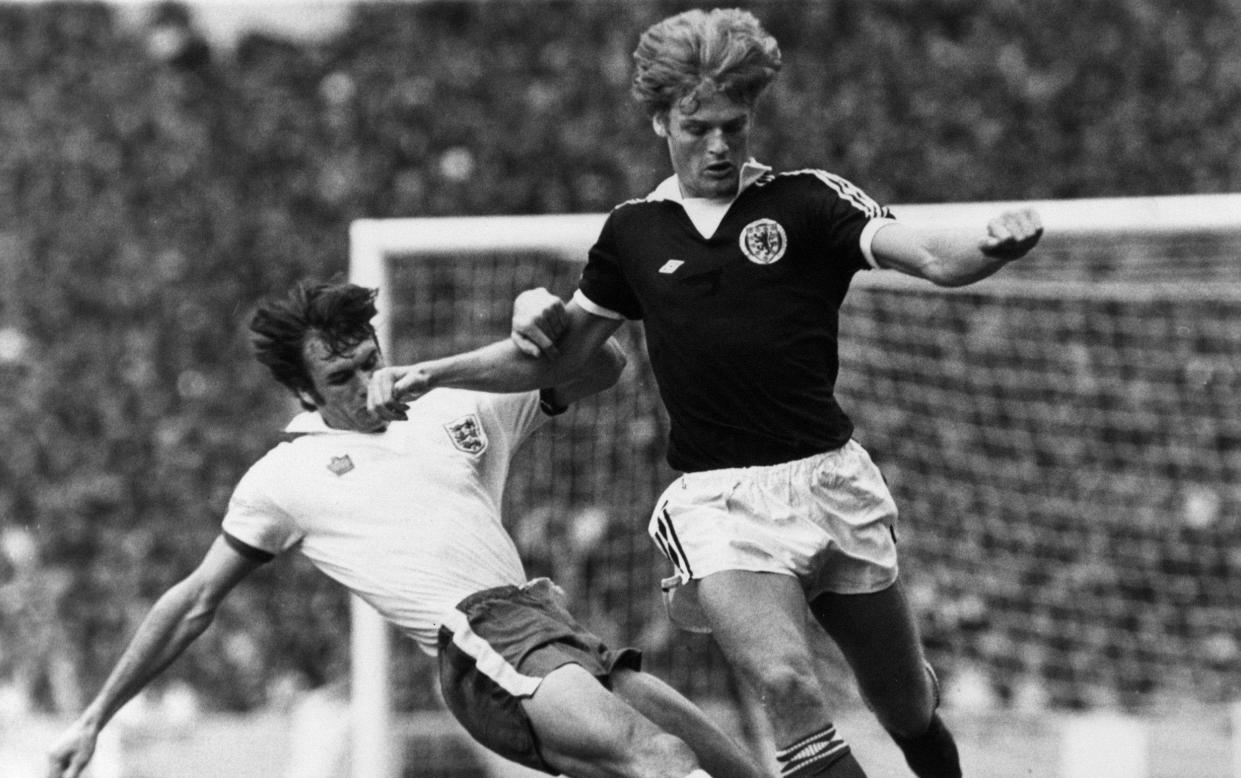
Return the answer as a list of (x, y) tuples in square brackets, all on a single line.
[(659, 124)]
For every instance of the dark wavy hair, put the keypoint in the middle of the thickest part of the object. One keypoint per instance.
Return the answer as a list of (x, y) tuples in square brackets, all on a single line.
[(697, 53), (338, 313)]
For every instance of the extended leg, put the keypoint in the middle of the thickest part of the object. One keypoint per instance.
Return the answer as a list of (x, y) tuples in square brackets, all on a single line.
[(586, 731), (672, 712)]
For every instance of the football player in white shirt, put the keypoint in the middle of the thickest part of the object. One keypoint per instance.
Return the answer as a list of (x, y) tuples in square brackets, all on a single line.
[(405, 513)]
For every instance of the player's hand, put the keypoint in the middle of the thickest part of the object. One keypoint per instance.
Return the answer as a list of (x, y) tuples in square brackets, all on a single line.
[(1011, 235), (392, 389), (70, 754), (539, 320)]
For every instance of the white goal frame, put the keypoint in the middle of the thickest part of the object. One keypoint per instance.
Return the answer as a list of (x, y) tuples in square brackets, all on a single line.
[(372, 241)]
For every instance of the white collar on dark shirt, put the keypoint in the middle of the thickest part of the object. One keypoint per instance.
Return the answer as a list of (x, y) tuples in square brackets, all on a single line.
[(707, 213)]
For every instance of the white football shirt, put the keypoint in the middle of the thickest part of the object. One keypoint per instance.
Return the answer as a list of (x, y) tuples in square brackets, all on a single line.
[(408, 519)]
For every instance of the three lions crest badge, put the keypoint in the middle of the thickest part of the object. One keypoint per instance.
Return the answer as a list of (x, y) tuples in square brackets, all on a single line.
[(467, 434)]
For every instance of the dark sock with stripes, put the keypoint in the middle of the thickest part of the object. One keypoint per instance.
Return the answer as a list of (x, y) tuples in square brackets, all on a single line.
[(822, 754), (933, 754)]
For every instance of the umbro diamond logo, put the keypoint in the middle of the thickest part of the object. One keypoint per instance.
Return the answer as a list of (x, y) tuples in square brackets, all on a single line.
[(671, 266), (340, 465)]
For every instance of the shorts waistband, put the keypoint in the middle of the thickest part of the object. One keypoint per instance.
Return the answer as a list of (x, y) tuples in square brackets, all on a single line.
[(761, 470), (506, 592)]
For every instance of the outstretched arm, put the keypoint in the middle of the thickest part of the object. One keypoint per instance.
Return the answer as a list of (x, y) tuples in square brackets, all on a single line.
[(179, 616), (575, 366), (957, 257)]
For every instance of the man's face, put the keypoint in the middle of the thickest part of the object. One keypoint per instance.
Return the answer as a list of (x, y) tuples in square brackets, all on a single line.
[(709, 146), (340, 383)]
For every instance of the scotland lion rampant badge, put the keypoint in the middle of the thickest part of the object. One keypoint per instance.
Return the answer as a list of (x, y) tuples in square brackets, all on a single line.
[(467, 434), (763, 241)]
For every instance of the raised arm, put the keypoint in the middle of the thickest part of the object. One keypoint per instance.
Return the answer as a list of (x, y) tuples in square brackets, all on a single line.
[(576, 365), (957, 257), (177, 619), (540, 321), (602, 370)]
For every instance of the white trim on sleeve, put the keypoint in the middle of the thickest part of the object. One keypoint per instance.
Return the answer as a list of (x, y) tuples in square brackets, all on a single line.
[(868, 236), (586, 304)]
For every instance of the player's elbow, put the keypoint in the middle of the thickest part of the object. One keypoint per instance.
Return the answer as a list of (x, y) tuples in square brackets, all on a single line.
[(602, 370), (196, 602), (944, 272), (601, 367), (615, 361), (935, 268)]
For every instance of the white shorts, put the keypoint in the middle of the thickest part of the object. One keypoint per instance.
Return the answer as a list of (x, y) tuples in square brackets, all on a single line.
[(827, 520)]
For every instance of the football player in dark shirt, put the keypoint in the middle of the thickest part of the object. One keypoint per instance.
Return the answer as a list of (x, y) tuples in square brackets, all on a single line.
[(737, 273)]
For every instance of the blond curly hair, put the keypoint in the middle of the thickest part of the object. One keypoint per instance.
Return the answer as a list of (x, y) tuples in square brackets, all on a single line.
[(694, 54)]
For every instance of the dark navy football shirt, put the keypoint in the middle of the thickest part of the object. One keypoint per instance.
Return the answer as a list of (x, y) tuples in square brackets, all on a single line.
[(741, 326)]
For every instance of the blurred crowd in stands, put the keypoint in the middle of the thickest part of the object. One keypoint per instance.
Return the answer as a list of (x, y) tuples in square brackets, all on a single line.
[(153, 186)]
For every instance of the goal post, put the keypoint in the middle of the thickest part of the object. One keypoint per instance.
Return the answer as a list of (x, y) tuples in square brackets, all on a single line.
[(1061, 438)]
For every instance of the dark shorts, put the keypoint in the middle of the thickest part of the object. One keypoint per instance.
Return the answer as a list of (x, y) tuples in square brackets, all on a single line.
[(496, 649)]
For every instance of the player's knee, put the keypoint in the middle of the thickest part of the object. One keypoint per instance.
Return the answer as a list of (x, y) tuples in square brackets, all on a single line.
[(641, 748), (906, 715), (788, 684), (907, 711), (906, 721), (659, 751)]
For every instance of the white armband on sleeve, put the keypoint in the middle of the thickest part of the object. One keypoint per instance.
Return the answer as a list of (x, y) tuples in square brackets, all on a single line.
[(868, 236), (588, 305)]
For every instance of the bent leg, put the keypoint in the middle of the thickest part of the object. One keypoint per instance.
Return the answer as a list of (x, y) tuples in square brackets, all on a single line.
[(585, 730), (878, 637), (720, 754), (758, 621)]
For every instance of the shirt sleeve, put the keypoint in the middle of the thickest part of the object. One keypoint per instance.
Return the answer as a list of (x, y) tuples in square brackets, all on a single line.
[(254, 519), (603, 283), (848, 219), (868, 237), (512, 416)]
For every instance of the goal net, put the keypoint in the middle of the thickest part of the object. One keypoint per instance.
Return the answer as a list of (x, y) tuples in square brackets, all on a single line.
[(1063, 441)]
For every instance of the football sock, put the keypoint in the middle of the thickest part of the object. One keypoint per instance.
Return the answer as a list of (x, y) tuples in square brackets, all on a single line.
[(933, 754), (821, 754)]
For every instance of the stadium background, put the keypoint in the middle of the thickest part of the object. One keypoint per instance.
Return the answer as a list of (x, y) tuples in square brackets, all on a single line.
[(154, 184)]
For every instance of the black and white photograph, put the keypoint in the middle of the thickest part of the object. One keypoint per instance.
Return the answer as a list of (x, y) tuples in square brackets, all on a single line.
[(620, 389)]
